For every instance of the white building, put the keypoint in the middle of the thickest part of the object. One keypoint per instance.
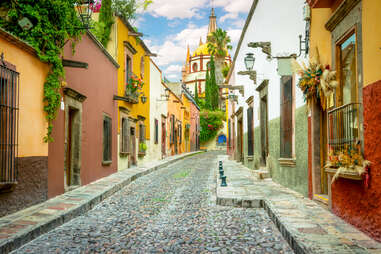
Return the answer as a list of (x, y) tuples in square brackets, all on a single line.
[(268, 125)]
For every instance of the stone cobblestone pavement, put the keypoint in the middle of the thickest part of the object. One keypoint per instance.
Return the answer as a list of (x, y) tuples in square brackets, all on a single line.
[(172, 210), (307, 227), (21, 227)]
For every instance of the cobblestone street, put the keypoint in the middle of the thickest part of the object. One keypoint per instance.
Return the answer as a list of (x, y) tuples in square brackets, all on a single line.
[(169, 211)]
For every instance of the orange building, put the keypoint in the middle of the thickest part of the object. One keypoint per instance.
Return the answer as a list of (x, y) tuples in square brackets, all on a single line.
[(175, 119), (24, 155), (347, 34)]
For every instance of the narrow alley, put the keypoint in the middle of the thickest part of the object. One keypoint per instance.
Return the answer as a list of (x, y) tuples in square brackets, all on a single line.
[(172, 210)]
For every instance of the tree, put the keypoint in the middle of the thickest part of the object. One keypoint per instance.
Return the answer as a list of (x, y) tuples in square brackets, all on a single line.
[(196, 93), (103, 26), (126, 9), (218, 45), (207, 90), (214, 89)]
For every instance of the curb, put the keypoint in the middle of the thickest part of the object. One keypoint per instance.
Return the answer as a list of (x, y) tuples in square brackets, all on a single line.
[(263, 204), (19, 240)]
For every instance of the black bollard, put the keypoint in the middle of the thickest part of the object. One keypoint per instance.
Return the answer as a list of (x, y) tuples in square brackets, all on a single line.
[(223, 181)]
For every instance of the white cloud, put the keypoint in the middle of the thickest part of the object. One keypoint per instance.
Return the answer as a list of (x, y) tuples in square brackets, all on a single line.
[(174, 68), (236, 6), (239, 23), (172, 9)]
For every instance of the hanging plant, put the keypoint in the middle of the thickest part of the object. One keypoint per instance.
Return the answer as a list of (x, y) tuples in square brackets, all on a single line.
[(54, 22), (317, 82)]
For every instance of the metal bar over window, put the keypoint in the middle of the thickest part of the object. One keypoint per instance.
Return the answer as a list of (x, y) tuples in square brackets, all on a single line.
[(9, 115), (343, 127)]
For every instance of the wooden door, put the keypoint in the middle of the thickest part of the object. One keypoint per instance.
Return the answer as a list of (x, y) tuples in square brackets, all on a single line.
[(264, 129), (163, 138), (132, 160)]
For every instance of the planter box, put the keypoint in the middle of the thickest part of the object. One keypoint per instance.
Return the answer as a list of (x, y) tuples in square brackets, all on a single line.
[(347, 175)]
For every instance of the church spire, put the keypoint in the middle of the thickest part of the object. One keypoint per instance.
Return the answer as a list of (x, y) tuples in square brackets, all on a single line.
[(212, 22), (188, 58), (200, 43)]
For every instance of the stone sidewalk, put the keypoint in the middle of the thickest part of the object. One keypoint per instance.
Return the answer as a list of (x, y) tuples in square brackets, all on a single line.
[(21, 227), (306, 226)]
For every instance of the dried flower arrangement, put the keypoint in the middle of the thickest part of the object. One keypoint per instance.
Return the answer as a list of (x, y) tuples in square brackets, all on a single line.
[(317, 82)]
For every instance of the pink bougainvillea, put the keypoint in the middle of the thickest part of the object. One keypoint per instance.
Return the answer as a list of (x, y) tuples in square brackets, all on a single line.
[(97, 5)]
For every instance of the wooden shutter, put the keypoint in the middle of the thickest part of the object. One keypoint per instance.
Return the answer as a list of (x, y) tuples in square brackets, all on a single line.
[(180, 132), (156, 131), (250, 130), (125, 135), (286, 117), (106, 139)]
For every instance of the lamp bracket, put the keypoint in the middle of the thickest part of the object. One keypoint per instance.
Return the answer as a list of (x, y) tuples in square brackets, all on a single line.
[(252, 75), (264, 45)]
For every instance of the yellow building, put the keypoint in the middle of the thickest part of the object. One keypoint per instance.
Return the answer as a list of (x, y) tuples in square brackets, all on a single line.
[(347, 34), (133, 56)]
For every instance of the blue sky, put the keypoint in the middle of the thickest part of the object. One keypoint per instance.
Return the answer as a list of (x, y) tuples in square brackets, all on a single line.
[(170, 25)]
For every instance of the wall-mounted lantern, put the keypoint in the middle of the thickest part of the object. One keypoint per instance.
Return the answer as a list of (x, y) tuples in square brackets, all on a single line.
[(85, 11), (143, 98), (249, 61)]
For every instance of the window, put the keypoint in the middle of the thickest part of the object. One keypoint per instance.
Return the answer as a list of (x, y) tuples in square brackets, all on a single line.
[(194, 67), (250, 132), (286, 121), (180, 133), (156, 131), (125, 136), (128, 69), (142, 138), (172, 135), (107, 128), (347, 70), (344, 120), (9, 89), (142, 66)]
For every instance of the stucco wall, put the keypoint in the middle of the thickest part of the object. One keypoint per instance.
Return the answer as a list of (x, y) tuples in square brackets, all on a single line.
[(99, 90), (158, 107), (32, 158), (371, 29), (32, 78)]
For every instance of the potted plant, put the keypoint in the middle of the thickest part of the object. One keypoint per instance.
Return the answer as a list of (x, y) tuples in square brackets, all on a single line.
[(134, 85), (142, 148)]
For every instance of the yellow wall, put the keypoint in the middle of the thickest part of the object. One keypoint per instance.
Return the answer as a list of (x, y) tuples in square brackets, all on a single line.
[(140, 108), (371, 29), (32, 123), (321, 37)]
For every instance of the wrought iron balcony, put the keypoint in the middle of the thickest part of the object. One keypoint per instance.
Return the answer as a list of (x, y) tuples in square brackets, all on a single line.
[(343, 127)]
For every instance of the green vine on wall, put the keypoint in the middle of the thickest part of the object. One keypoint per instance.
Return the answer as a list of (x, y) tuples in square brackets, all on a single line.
[(54, 23)]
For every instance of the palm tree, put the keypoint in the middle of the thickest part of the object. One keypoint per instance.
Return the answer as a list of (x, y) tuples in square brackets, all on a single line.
[(218, 45)]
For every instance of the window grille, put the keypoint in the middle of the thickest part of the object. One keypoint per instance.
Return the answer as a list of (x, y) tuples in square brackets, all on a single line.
[(9, 103), (343, 127), (107, 127)]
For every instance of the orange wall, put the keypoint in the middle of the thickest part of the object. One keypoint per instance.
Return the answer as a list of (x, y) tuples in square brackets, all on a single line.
[(371, 29), (32, 123), (174, 109)]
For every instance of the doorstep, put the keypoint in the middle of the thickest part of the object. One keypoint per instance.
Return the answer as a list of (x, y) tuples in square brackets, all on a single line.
[(23, 226), (308, 227)]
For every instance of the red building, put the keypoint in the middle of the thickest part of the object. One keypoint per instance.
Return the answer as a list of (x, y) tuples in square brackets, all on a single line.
[(85, 130)]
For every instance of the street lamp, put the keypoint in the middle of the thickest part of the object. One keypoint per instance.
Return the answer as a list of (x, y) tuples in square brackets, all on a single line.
[(249, 61), (85, 10)]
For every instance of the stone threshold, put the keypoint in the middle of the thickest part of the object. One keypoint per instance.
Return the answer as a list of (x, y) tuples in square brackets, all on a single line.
[(307, 227), (23, 226)]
